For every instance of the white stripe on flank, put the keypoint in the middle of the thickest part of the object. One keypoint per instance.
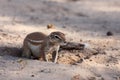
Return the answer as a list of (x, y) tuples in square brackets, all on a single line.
[(37, 41)]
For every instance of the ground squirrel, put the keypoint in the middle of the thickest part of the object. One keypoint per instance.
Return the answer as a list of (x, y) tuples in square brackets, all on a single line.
[(39, 45)]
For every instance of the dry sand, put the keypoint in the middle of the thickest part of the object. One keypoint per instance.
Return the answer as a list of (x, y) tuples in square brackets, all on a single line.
[(84, 21)]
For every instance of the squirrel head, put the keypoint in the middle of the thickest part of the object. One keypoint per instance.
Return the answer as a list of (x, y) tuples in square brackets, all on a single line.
[(57, 37)]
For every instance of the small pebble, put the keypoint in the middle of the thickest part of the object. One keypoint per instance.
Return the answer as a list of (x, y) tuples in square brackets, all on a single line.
[(109, 33), (50, 26), (32, 75)]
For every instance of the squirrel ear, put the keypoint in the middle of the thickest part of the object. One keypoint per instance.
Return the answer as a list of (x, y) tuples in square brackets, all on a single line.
[(63, 34), (51, 36)]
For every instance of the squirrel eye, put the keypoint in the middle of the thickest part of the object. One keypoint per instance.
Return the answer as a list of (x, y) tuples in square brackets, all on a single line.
[(57, 37)]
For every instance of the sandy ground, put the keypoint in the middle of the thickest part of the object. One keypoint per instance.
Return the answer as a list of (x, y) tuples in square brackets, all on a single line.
[(84, 21)]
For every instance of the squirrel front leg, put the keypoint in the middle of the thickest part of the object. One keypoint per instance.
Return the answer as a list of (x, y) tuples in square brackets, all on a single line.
[(56, 55), (45, 56)]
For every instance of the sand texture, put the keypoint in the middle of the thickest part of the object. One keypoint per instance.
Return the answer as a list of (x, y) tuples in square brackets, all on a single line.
[(95, 23)]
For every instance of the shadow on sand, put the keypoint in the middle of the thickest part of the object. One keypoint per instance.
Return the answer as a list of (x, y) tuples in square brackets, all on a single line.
[(12, 51)]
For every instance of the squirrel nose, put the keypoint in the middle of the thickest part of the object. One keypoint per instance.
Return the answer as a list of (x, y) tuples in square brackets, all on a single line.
[(65, 42)]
